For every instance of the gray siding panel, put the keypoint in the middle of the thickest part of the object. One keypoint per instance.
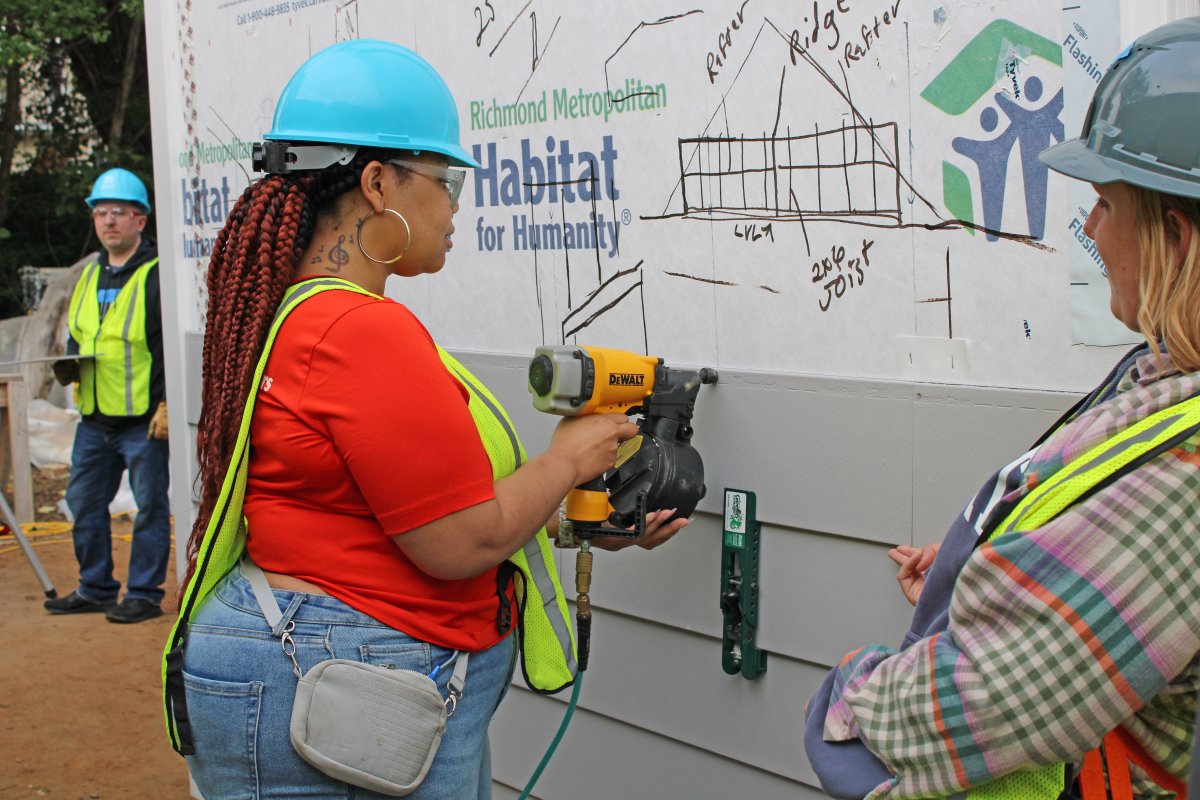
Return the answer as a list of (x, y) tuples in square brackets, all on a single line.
[(961, 436), (821, 596), (601, 758), (843, 470), (670, 683)]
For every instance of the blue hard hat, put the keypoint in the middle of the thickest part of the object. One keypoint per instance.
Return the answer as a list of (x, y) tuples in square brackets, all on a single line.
[(370, 93), (121, 185)]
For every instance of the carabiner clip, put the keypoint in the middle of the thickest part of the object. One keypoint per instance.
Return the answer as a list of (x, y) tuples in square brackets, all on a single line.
[(289, 646)]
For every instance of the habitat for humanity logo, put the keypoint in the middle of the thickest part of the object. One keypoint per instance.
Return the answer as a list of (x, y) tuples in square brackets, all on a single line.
[(566, 178), (990, 77)]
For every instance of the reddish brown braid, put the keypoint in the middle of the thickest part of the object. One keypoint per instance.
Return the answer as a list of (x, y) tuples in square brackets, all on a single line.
[(252, 263)]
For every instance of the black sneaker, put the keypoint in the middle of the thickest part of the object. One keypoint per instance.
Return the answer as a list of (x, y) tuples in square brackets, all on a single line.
[(74, 604), (134, 609)]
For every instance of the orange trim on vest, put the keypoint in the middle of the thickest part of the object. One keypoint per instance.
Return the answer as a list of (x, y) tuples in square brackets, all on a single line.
[(1118, 750)]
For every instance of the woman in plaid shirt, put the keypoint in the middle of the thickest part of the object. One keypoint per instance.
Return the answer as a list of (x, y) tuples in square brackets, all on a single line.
[(1064, 603)]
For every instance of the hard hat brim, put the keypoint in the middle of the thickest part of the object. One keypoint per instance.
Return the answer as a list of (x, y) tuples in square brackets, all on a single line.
[(457, 156), (1074, 159), (93, 199)]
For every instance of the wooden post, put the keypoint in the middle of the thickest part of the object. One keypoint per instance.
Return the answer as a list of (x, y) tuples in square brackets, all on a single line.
[(14, 444)]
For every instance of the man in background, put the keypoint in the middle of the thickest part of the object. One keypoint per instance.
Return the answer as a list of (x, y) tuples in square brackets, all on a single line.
[(115, 353)]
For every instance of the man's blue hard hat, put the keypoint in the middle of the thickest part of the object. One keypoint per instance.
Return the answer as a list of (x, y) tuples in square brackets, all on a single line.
[(120, 185), (370, 93)]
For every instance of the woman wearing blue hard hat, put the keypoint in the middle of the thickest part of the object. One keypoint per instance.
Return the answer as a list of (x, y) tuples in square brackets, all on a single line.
[(1055, 646), (387, 501)]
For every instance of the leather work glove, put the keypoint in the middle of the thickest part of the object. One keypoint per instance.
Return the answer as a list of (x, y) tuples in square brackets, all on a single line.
[(66, 371), (158, 423)]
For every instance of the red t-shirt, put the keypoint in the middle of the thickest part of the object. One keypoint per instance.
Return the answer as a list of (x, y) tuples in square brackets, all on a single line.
[(360, 433)]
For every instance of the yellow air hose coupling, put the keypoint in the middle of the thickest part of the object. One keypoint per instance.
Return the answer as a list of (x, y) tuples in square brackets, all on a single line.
[(583, 601)]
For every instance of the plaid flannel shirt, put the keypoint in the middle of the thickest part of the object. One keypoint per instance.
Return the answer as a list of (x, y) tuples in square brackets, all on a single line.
[(1056, 635)]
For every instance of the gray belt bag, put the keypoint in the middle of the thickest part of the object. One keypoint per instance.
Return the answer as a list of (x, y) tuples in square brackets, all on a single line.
[(366, 725)]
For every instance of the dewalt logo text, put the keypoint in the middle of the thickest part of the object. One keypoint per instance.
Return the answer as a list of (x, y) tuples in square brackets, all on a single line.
[(626, 379)]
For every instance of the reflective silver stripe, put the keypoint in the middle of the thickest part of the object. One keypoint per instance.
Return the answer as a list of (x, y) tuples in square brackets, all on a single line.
[(297, 292), (1111, 452), (545, 586), (129, 348), (1148, 435), (497, 413), (88, 273)]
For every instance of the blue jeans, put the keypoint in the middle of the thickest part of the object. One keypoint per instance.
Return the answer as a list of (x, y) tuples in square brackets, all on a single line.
[(240, 687), (97, 461)]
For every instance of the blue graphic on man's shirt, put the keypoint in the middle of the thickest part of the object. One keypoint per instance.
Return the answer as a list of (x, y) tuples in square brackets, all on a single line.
[(105, 297)]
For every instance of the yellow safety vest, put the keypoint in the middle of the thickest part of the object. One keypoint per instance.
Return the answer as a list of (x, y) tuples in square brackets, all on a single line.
[(1100, 466), (546, 635), (117, 381)]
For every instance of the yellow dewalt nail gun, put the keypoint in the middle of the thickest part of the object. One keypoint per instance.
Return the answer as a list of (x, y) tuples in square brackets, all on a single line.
[(656, 469)]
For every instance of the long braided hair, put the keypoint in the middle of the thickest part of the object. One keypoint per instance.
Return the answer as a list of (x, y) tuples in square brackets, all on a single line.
[(252, 263)]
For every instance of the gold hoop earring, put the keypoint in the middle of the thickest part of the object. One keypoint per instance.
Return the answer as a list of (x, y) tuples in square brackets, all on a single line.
[(407, 231)]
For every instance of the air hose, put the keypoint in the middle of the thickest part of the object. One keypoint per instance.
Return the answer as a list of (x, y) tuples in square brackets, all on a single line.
[(583, 624), (562, 728)]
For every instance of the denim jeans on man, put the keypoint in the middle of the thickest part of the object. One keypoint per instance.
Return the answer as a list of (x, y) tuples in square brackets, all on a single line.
[(240, 688), (97, 461)]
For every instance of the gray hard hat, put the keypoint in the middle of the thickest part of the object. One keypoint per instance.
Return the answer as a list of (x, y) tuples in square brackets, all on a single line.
[(1143, 126)]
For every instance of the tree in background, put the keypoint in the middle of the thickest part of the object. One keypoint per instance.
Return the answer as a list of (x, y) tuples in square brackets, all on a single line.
[(76, 95)]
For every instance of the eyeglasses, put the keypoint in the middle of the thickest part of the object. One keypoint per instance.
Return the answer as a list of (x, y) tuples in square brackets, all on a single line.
[(451, 178), (117, 213)]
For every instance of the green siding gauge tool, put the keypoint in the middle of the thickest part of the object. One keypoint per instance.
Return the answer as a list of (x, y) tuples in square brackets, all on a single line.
[(739, 587)]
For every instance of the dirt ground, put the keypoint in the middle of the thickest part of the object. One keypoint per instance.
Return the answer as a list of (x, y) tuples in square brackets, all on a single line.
[(80, 700)]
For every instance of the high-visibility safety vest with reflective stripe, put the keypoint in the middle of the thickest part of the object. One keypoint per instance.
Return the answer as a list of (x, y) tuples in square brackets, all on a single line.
[(1099, 467), (546, 635), (117, 381)]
